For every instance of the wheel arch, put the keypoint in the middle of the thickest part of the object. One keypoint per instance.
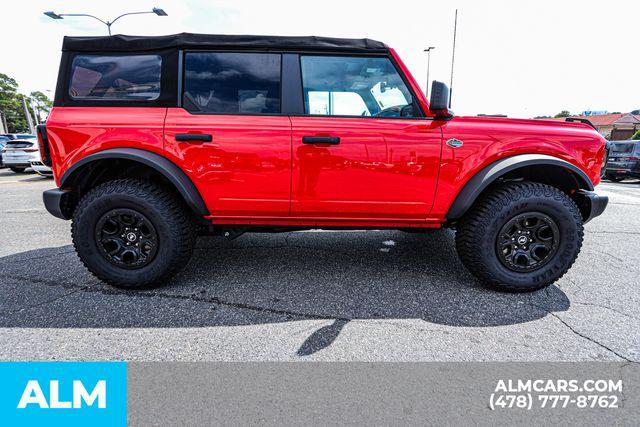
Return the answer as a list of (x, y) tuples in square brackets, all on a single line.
[(536, 167), (108, 164)]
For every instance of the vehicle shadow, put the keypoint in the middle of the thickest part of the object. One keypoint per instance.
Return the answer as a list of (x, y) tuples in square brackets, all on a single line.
[(267, 278)]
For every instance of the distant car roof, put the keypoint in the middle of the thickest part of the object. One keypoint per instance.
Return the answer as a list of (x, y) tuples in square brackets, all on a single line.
[(12, 136), (207, 41)]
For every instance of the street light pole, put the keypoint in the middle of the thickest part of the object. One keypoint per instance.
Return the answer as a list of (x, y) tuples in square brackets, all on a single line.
[(428, 50), (54, 15)]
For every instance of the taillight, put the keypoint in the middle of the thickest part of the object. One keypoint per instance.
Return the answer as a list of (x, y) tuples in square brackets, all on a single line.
[(30, 150), (43, 144)]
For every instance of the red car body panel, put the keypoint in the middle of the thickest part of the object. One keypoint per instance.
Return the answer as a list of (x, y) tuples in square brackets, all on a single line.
[(77, 132), (382, 168), (244, 171), (386, 172), (487, 140)]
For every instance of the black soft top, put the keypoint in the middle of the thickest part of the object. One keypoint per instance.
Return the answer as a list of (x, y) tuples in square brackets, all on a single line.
[(119, 43)]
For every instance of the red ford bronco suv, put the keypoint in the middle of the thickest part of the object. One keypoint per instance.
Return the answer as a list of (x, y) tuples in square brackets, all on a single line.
[(155, 140)]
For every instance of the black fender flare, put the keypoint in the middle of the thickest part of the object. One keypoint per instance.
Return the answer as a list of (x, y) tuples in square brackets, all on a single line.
[(167, 168), (481, 180)]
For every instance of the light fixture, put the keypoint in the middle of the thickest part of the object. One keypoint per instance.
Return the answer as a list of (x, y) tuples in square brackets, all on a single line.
[(53, 15), (159, 11)]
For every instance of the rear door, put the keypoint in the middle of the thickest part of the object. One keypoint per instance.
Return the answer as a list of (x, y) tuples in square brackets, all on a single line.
[(230, 136), (362, 149)]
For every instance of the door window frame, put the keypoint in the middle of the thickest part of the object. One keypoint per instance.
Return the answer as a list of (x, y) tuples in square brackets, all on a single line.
[(182, 80), (416, 105), (291, 88)]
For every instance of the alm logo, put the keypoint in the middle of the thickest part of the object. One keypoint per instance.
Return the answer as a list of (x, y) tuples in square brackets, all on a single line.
[(33, 396)]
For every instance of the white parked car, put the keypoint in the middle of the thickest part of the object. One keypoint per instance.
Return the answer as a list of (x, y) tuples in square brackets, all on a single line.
[(40, 168), (17, 154)]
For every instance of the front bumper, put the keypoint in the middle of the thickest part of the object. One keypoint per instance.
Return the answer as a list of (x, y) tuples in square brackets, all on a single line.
[(591, 204), (41, 169), (56, 201)]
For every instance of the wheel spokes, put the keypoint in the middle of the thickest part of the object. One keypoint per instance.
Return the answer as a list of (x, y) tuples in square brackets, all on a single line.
[(126, 238), (527, 241)]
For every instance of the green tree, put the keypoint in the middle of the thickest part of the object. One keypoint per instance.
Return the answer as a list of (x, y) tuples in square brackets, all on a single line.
[(636, 135), (563, 113), (41, 104), (11, 105)]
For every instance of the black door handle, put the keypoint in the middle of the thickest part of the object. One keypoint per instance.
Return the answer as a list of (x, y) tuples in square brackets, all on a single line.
[(321, 140), (194, 137)]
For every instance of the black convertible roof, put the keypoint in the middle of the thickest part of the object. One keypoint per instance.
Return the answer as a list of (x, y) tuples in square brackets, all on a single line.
[(119, 43)]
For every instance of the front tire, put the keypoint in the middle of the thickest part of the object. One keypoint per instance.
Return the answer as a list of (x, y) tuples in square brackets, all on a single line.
[(132, 234), (520, 237), (17, 170)]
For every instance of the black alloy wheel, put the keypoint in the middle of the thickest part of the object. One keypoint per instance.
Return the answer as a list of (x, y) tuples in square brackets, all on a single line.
[(132, 233), (527, 242), (126, 238), (520, 236)]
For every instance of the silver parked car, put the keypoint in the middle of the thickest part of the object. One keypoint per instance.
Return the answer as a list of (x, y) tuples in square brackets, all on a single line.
[(40, 168), (18, 153)]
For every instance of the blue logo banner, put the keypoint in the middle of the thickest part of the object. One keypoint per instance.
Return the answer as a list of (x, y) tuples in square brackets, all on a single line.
[(63, 393)]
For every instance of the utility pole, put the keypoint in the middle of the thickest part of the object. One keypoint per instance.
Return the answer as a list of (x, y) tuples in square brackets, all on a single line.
[(3, 123), (453, 56), (32, 128), (428, 50)]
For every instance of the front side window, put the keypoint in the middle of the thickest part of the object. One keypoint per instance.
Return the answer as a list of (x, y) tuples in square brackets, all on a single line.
[(232, 83), (115, 78), (354, 86)]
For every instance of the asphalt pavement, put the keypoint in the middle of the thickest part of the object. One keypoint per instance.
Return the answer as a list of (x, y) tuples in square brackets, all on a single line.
[(367, 296)]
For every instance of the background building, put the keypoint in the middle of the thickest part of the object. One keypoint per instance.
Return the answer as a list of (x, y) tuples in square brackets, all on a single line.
[(613, 126)]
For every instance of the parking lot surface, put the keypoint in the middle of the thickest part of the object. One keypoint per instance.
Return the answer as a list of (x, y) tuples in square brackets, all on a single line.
[(375, 295)]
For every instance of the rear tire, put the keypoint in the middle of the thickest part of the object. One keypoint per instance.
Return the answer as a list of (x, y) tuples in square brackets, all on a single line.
[(132, 234), (520, 237), (614, 178), (17, 170)]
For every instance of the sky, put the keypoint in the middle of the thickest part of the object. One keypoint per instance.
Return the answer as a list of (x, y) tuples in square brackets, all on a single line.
[(520, 58)]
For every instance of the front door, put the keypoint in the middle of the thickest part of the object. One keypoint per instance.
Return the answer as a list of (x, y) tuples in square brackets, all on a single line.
[(230, 137), (361, 151)]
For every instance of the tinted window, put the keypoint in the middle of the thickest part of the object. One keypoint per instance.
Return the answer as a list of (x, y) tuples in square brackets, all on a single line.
[(232, 83), (131, 77), (354, 86)]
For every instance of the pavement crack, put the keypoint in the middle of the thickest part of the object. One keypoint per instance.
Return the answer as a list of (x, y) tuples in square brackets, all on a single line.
[(607, 308), (192, 297), (580, 334), (49, 301), (36, 257), (633, 233)]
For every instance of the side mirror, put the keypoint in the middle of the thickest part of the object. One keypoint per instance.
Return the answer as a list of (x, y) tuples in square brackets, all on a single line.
[(439, 103)]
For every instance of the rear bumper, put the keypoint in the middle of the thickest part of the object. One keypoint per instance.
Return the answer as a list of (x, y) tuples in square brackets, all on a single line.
[(19, 160), (16, 163), (593, 204), (55, 202), (627, 167)]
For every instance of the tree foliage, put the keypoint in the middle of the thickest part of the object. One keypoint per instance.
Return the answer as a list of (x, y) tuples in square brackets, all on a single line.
[(636, 135), (12, 108), (563, 113), (41, 104)]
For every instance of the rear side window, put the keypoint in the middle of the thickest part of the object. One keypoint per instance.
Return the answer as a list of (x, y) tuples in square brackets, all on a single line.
[(115, 78), (232, 83)]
